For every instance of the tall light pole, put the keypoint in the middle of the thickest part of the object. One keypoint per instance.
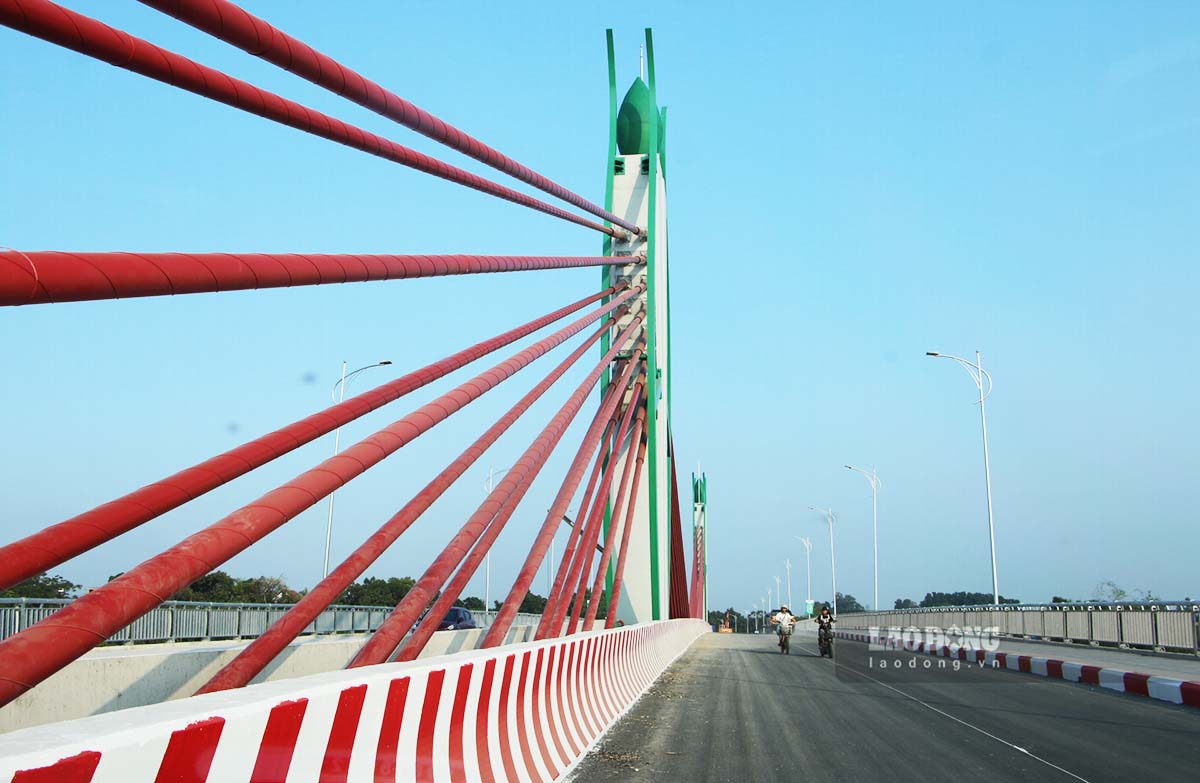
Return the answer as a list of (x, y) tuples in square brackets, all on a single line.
[(778, 594), (337, 394), (829, 517), (807, 564), (487, 570), (979, 375), (873, 477), (788, 565)]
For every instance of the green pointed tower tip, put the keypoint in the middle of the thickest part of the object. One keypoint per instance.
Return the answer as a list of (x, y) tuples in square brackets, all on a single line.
[(634, 118)]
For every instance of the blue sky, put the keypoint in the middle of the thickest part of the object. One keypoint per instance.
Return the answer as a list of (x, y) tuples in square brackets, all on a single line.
[(849, 188)]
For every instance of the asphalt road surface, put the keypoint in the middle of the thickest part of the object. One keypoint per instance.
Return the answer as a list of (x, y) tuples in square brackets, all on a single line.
[(732, 709)]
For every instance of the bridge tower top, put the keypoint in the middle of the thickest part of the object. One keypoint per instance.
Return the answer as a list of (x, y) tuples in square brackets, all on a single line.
[(635, 189)]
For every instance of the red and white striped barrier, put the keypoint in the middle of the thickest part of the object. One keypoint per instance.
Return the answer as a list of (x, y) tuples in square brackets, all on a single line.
[(525, 713), (1148, 685)]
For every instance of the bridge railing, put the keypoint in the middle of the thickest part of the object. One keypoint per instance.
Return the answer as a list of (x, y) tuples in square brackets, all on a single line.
[(191, 621), (1169, 626)]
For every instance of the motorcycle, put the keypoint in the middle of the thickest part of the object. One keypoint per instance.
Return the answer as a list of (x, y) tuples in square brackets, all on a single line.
[(785, 639), (825, 642)]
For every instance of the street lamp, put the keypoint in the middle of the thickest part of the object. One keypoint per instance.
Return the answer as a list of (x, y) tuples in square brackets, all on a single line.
[(873, 477), (788, 565), (487, 578), (337, 394), (807, 564), (778, 594), (829, 517), (979, 375)]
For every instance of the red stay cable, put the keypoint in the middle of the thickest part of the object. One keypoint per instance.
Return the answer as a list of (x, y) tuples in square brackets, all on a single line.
[(541, 544), (487, 517), (42, 649), (58, 543), (614, 523), (44, 276), (596, 523), (234, 25), (427, 628), (575, 534), (51, 22), (619, 571), (250, 661)]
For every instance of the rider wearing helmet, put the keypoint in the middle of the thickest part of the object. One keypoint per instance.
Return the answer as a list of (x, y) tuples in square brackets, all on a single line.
[(825, 622)]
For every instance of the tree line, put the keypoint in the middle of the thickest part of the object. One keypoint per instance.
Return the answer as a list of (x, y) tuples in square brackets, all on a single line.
[(221, 587), (960, 598), (1107, 590)]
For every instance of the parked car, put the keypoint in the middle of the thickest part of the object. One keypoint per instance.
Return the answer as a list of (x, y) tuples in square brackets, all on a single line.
[(457, 619)]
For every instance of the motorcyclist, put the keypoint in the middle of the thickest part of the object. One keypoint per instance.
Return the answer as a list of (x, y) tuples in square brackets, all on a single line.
[(824, 622), (784, 620)]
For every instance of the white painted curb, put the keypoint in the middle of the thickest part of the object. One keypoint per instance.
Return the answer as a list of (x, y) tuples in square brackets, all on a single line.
[(1161, 688), (524, 713)]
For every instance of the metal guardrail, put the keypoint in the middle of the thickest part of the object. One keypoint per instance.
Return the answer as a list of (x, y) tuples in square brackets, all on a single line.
[(186, 621), (1166, 626)]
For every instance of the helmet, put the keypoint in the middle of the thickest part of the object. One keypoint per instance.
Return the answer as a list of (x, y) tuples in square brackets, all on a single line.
[(784, 608)]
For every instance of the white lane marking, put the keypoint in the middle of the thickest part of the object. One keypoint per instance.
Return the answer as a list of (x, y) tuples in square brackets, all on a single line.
[(959, 720)]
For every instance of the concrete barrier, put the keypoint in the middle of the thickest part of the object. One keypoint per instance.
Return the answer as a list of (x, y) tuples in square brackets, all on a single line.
[(116, 678), (524, 713), (1160, 688)]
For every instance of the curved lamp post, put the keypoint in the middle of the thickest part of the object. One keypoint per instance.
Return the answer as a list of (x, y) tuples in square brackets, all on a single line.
[(807, 564), (337, 394), (873, 478), (488, 486), (829, 517), (979, 376)]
